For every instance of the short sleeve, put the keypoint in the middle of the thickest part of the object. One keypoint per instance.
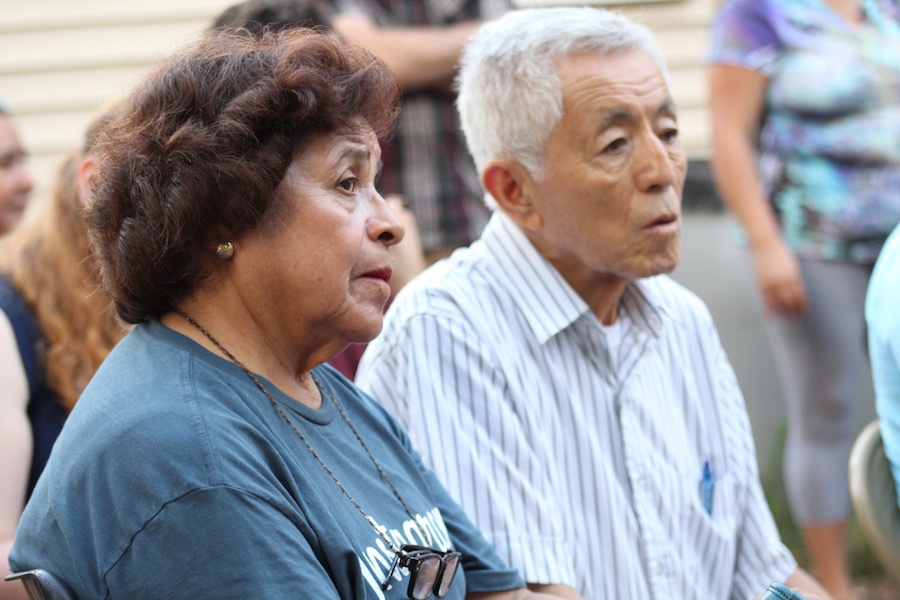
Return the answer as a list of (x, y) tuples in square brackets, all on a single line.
[(762, 556), (219, 542), (744, 35)]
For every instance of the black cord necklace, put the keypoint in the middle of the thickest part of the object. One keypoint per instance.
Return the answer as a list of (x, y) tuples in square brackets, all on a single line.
[(325, 391)]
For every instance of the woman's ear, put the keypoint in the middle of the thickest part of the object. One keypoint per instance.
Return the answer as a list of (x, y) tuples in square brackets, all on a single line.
[(512, 187), (83, 179)]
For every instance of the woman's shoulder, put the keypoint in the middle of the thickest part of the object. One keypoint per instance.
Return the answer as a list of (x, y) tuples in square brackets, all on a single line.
[(144, 405), (21, 336), (890, 9), (747, 33), (9, 292), (144, 433), (20, 316)]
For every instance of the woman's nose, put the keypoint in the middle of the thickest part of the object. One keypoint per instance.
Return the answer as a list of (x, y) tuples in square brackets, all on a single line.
[(385, 226)]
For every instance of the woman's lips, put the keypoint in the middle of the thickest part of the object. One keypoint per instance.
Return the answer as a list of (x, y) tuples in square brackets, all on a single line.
[(383, 274)]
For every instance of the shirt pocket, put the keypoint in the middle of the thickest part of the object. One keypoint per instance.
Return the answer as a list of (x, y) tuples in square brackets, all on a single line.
[(711, 509)]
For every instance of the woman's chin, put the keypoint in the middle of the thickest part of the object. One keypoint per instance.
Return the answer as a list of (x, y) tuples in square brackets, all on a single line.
[(367, 327)]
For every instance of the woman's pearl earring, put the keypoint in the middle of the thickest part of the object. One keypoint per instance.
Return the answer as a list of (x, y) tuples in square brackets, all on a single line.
[(225, 250)]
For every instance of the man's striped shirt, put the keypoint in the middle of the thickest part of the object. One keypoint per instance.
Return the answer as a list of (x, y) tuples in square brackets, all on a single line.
[(582, 461)]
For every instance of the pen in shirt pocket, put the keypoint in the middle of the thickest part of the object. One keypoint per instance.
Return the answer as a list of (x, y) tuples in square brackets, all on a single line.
[(707, 483)]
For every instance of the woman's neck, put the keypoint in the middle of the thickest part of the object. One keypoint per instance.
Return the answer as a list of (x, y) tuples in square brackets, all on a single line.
[(249, 350)]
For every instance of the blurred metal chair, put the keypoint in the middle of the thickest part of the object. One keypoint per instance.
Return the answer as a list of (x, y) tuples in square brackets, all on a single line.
[(874, 496), (42, 585)]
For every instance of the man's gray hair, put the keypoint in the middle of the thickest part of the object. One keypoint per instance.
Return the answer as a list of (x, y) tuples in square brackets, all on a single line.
[(510, 95)]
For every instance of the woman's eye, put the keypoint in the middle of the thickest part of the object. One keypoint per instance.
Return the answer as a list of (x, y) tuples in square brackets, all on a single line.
[(615, 145), (348, 184)]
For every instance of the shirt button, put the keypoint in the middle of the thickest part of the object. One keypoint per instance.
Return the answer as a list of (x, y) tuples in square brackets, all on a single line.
[(660, 568)]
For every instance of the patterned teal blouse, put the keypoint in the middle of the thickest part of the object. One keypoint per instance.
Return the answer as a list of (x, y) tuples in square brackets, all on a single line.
[(829, 143)]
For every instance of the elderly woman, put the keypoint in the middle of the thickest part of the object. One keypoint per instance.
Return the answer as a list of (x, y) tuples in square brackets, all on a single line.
[(213, 455)]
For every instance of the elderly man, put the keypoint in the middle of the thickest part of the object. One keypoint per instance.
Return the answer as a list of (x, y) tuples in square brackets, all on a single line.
[(576, 402)]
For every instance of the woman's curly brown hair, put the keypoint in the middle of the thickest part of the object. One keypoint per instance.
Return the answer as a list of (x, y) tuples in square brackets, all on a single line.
[(195, 153)]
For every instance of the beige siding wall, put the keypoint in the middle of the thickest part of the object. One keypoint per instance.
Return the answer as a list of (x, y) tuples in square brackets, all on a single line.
[(682, 30), (60, 61)]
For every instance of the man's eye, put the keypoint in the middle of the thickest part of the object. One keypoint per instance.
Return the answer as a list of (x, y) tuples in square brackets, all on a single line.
[(348, 184), (670, 135)]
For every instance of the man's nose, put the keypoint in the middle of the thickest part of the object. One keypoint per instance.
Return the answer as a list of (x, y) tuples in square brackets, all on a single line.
[(658, 168)]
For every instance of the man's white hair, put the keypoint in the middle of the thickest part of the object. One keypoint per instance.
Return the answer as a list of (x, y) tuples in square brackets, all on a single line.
[(510, 95)]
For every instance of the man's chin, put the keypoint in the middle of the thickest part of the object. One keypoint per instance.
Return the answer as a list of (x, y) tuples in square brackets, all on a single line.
[(665, 270), (666, 264)]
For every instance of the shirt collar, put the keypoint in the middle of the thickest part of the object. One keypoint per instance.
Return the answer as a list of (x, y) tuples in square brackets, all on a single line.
[(545, 299)]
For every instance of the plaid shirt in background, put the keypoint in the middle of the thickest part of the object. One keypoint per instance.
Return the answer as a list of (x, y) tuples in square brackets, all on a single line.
[(427, 161)]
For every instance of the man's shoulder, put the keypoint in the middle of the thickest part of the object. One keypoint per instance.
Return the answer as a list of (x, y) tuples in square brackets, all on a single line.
[(672, 296), (450, 287), (460, 298)]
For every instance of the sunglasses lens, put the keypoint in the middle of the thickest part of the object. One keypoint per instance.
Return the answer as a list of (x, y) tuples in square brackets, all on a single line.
[(451, 562), (426, 576)]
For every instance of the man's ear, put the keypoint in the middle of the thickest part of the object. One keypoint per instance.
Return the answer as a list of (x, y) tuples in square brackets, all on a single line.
[(512, 187)]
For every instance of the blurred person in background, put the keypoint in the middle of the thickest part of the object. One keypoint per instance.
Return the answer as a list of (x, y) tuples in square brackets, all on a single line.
[(258, 16), (56, 327), (805, 103), (883, 320), (15, 179), (426, 162)]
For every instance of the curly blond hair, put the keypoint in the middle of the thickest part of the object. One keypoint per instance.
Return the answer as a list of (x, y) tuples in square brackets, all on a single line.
[(48, 260)]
